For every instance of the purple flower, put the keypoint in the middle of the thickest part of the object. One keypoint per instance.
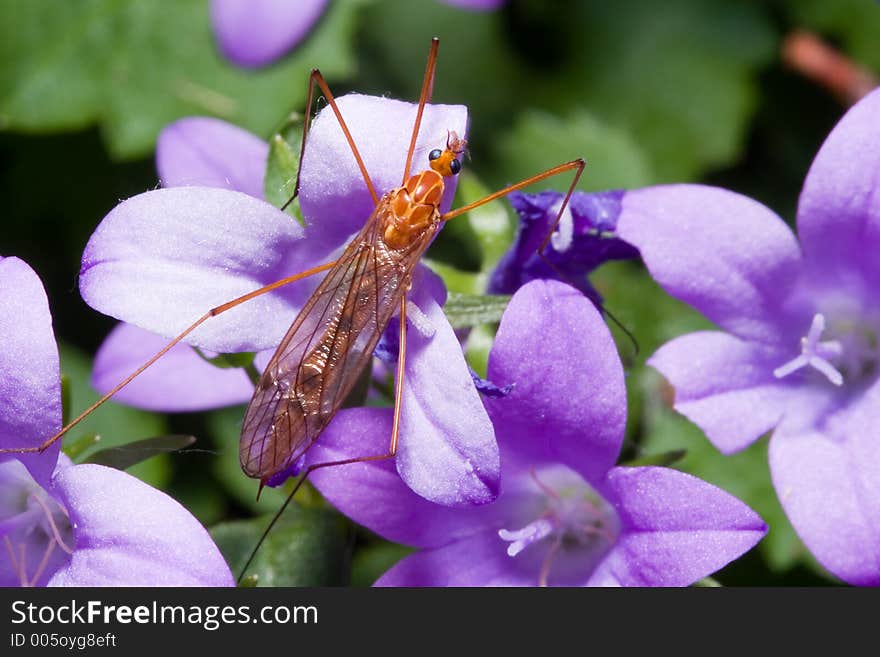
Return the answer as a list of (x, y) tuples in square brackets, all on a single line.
[(76, 525), (584, 239), (798, 351), (565, 515), (162, 259), (254, 33), (192, 151)]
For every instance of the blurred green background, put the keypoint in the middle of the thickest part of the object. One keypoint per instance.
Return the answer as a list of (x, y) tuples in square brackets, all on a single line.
[(647, 92)]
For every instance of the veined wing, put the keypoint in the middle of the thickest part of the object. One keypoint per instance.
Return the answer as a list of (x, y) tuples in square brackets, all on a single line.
[(324, 351)]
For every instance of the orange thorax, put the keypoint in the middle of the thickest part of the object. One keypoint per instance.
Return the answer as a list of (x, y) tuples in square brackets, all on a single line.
[(412, 209)]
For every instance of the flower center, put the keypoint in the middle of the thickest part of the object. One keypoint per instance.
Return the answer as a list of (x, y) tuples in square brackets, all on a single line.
[(576, 526), (41, 528), (852, 354)]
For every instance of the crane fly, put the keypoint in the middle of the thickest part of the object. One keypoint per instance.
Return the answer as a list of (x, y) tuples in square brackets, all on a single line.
[(332, 339)]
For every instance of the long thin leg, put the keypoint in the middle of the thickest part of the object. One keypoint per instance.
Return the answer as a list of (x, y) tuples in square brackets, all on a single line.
[(208, 315), (578, 164), (392, 448), (317, 78), (424, 97)]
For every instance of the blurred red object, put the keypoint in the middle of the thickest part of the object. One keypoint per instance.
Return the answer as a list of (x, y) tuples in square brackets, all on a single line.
[(816, 60)]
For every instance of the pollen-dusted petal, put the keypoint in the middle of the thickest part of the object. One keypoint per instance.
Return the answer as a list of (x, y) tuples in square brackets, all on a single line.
[(208, 152), (725, 254), (335, 200), (180, 381), (253, 33), (162, 259), (725, 385), (567, 402), (839, 208), (447, 451), (823, 460), (373, 494), (30, 381), (129, 534), (675, 529)]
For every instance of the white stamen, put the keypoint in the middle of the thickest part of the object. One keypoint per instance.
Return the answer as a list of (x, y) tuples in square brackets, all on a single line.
[(563, 236), (522, 538), (815, 354)]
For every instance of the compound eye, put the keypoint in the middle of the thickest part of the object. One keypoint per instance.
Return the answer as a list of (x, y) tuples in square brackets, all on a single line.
[(433, 155), (455, 167)]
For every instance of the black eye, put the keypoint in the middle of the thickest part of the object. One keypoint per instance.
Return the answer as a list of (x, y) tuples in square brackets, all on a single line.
[(433, 155), (455, 167)]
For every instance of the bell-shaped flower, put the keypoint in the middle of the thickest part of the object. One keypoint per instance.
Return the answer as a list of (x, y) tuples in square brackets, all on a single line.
[(798, 350), (566, 514), (76, 525)]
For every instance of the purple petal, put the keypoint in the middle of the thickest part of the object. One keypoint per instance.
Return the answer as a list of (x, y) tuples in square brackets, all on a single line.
[(129, 534), (211, 153), (24, 528), (30, 379), (335, 200), (726, 255), (253, 33), (592, 221), (373, 494), (838, 213), (568, 401), (725, 386), (162, 259), (675, 529), (825, 473), (447, 451), (180, 381), (479, 560)]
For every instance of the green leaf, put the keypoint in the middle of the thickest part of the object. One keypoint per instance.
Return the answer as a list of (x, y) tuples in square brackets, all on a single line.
[(481, 236), (456, 280), (125, 456), (745, 474), (479, 344), (475, 66), (65, 399), (78, 446), (307, 547), (491, 224), (283, 166), (111, 425), (228, 361), (370, 562), (225, 429), (681, 80), (664, 459), (614, 159), (466, 310), (133, 67)]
